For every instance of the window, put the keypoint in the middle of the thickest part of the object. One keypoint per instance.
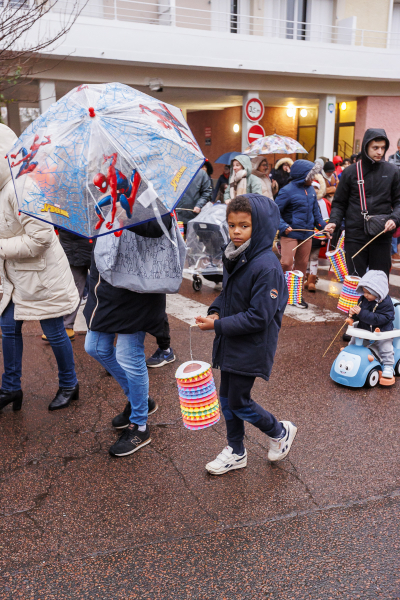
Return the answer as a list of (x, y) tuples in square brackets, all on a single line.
[(296, 17), (234, 16), (307, 132), (345, 126)]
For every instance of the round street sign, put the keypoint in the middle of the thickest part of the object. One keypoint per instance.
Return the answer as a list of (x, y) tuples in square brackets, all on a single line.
[(254, 109), (255, 132)]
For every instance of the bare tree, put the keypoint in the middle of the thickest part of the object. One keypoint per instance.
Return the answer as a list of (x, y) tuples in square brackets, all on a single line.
[(19, 52)]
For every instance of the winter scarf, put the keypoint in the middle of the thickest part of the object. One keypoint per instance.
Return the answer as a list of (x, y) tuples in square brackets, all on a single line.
[(232, 254), (238, 184)]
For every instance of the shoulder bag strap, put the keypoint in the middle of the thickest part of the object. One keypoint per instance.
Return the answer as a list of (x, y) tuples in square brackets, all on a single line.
[(361, 189)]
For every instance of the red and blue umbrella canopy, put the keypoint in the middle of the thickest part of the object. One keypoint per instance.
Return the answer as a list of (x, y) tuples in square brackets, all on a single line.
[(102, 158)]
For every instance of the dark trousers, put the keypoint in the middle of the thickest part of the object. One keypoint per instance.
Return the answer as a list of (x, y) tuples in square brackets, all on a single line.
[(376, 256), (80, 276), (13, 346), (164, 341), (238, 406)]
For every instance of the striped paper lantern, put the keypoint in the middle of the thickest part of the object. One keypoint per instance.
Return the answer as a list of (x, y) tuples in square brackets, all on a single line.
[(197, 395), (340, 243), (348, 296), (294, 280), (338, 262), (181, 228)]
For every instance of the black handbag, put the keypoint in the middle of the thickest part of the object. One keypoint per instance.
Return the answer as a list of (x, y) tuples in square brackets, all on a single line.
[(373, 224)]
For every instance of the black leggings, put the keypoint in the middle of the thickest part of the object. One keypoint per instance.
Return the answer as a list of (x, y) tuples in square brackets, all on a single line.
[(164, 340), (376, 256)]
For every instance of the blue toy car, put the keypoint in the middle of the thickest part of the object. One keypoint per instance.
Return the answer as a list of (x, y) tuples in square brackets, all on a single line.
[(357, 365)]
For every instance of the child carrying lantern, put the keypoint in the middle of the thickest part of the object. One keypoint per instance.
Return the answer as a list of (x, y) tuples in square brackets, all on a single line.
[(247, 317)]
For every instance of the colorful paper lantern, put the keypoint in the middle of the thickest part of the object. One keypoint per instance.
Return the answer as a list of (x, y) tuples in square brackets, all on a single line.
[(340, 243), (319, 235), (294, 280), (349, 296), (197, 395), (181, 228), (337, 259)]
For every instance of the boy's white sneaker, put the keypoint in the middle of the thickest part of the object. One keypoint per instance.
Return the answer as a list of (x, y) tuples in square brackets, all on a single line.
[(280, 448), (226, 461), (387, 372)]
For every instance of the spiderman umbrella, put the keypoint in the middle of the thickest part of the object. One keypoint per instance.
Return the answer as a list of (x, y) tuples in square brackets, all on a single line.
[(102, 158)]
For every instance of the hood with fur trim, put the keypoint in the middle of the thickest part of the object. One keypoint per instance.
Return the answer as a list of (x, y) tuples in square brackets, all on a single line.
[(283, 161), (302, 170), (257, 160)]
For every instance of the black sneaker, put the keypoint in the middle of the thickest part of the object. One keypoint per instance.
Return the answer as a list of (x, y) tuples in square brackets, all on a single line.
[(153, 406), (161, 358), (122, 420), (302, 304), (130, 441)]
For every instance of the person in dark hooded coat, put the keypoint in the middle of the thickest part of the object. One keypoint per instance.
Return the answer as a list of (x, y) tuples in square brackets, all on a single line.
[(300, 213), (247, 317), (382, 192)]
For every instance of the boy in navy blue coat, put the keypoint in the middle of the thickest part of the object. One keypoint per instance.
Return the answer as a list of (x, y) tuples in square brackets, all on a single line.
[(247, 317)]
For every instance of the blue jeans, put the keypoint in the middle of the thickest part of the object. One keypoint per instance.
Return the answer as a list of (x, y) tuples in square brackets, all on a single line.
[(126, 362), (12, 350), (395, 241)]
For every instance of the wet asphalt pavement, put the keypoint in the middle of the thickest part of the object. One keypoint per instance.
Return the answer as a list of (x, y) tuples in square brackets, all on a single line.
[(322, 524)]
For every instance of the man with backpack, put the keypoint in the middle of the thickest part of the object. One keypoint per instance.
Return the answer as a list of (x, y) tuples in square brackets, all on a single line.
[(368, 198)]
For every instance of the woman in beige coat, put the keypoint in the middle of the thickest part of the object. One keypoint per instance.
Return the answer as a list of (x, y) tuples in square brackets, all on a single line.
[(260, 169), (37, 286)]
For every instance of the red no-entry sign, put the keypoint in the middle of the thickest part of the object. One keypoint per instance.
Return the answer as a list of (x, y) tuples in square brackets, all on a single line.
[(255, 132)]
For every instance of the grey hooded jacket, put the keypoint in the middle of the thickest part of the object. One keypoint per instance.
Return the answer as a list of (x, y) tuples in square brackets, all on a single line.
[(375, 313)]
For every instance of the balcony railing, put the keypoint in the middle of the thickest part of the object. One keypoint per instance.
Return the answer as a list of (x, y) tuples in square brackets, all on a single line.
[(174, 13)]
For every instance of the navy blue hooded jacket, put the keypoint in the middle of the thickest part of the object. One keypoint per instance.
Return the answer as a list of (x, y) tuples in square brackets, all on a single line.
[(375, 314), (253, 300), (298, 204)]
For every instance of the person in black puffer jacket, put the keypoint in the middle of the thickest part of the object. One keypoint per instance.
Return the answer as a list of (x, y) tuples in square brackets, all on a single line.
[(382, 192), (109, 311)]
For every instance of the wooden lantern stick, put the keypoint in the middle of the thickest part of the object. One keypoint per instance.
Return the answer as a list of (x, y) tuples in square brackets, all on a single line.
[(298, 246), (345, 323), (361, 249)]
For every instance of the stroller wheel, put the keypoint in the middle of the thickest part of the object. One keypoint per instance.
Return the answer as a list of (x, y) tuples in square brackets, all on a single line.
[(197, 283)]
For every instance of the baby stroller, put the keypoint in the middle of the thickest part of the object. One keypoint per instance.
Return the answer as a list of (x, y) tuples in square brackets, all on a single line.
[(206, 234)]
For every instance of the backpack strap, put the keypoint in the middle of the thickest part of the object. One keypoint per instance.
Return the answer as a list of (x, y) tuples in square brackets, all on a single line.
[(361, 189)]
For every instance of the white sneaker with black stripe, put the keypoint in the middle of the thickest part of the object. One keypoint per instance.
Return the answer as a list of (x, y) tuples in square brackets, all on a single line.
[(227, 461), (279, 448)]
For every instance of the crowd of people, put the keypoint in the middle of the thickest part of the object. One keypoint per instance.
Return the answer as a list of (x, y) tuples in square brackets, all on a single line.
[(44, 277)]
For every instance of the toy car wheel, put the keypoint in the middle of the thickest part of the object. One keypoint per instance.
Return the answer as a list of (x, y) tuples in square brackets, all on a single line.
[(197, 283), (397, 368), (372, 378)]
